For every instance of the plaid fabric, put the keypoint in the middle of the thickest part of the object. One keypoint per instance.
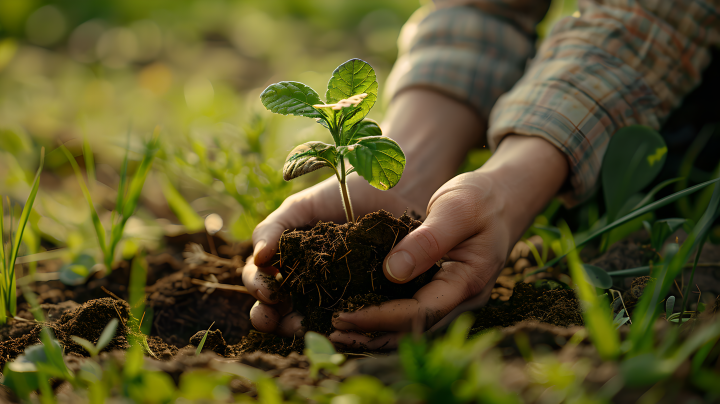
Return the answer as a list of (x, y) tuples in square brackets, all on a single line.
[(622, 62)]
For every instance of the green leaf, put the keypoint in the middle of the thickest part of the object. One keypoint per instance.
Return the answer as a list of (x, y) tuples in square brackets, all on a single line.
[(202, 341), (596, 312), (321, 353), (364, 128), (291, 98), (597, 276), (639, 212), (182, 209), (352, 78), (669, 306), (662, 229), (107, 335), (309, 157), (645, 151), (87, 345), (378, 159)]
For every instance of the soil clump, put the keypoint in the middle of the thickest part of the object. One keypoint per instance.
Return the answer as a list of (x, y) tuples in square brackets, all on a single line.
[(334, 267)]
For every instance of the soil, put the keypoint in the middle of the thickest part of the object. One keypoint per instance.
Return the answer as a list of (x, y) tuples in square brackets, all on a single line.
[(335, 267), (556, 306)]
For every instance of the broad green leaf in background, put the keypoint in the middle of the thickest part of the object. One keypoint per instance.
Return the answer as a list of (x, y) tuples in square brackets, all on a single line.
[(644, 150), (78, 271), (597, 276), (352, 78), (309, 157), (378, 159), (364, 128), (291, 98)]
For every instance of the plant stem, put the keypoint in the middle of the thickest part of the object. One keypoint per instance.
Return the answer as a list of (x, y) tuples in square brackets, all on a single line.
[(342, 177)]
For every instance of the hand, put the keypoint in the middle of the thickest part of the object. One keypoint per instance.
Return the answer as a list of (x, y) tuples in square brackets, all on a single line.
[(472, 222), (434, 131)]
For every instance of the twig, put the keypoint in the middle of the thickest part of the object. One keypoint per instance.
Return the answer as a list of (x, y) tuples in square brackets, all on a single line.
[(224, 286), (110, 293)]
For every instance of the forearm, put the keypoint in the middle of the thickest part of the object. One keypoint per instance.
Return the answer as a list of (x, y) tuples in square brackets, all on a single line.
[(435, 133)]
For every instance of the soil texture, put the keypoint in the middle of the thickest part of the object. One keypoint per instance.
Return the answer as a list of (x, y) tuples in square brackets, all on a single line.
[(558, 307), (334, 267)]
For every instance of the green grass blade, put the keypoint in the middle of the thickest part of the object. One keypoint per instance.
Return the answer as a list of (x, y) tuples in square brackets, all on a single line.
[(650, 195), (99, 228), (597, 315), (3, 264), (686, 294), (24, 216), (202, 341), (135, 187), (89, 161), (123, 179), (627, 273), (185, 213), (675, 259), (637, 213)]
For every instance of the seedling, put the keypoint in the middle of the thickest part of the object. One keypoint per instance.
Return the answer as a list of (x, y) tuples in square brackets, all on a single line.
[(202, 341), (105, 338), (8, 298), (321, 354), (351, 93), (127, 199)]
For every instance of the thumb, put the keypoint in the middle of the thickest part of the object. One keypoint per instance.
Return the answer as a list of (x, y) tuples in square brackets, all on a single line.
[(452, 219)]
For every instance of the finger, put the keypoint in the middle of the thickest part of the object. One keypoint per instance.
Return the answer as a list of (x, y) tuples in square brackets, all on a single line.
[(303, 208), (260, 282), (264, 318), (291, 326), (452, 219), (355, 341), (454, 284)]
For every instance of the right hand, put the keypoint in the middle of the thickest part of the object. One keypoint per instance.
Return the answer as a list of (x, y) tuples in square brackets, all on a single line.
[(273, 312)]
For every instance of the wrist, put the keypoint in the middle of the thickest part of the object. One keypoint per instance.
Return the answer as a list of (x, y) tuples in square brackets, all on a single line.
[(435, 133), (528, 172)]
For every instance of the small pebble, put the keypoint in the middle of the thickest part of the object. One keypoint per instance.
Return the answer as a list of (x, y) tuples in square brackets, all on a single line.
[(494, 296), (521, 264), (507, 271)]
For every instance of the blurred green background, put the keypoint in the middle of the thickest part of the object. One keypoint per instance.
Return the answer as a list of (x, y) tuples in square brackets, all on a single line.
[(107, 71)]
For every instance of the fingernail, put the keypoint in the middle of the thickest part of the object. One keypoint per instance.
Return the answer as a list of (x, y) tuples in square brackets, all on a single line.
[(400, 265), (343, 325)]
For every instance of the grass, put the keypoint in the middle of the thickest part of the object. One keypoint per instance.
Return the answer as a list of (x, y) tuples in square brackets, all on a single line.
[(128, 196), (8, 298)]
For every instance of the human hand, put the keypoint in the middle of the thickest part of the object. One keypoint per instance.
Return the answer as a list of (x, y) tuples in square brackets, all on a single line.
[(422, 122), (472, 222)]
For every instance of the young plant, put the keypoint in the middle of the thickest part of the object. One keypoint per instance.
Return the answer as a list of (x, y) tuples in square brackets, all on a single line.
[(127, 199), (8, 298), (351, 93)]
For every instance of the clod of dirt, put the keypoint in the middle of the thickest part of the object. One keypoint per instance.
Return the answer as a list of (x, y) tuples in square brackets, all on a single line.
[(333, 267), (258, 341), (625, 254), (553, 306), (631, 297), (214, 341), (89, 320)]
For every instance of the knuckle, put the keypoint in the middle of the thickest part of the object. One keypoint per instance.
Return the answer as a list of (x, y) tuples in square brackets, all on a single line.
[(425, 241)]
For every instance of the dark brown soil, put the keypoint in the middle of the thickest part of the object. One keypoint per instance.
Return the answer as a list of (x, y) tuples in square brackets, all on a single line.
[(553, 306), (339, 267)]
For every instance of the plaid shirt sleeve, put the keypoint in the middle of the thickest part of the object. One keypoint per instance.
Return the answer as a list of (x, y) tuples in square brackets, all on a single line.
[(622, 62), (471, 50)]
